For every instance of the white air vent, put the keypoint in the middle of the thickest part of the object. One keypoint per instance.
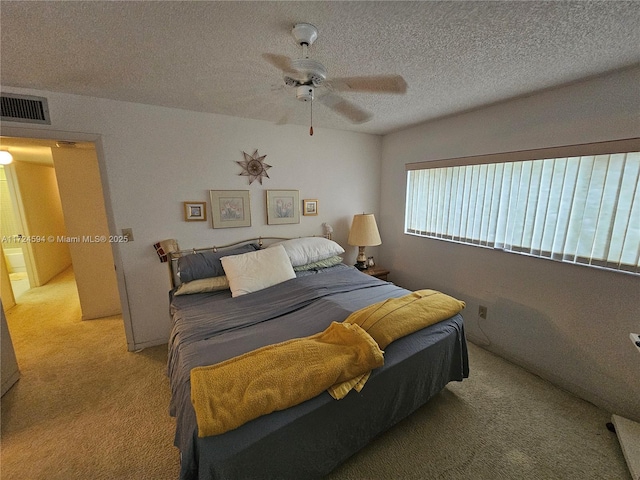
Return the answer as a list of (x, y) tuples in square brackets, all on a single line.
[(24, 108)]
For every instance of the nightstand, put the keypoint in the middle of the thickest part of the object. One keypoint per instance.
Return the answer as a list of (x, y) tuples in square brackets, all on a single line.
[(377, 272)]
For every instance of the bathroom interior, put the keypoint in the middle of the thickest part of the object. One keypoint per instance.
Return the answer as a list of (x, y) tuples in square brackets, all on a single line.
[(12, 247)]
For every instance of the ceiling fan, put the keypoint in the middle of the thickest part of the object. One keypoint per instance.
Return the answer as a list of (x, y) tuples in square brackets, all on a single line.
[(307, 76)]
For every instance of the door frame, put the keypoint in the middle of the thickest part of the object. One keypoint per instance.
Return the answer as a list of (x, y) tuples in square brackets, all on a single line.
[(19, 216), (96, 139)]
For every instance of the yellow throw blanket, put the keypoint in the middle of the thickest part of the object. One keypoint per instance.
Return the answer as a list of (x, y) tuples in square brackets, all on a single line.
[(394, 318), (229, 394)]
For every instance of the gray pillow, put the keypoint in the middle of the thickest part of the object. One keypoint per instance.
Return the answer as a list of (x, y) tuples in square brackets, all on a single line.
[(326, 263), (207, 264)]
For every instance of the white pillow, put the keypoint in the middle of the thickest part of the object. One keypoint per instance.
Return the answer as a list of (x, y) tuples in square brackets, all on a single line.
[(253, 271), (309, 249), (202, 285)]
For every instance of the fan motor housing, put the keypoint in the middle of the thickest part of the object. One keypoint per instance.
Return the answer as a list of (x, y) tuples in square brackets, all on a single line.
[(309, 71)]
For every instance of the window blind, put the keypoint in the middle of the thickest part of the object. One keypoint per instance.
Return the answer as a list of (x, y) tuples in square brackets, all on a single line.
[(581, 209)]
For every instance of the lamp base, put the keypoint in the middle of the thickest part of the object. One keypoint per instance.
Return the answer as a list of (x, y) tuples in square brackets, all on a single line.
[(361, 259)]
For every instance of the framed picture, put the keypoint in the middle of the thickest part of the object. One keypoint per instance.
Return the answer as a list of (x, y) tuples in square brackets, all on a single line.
[(195, 211), (309, 207), (283, 206), (230, 208)]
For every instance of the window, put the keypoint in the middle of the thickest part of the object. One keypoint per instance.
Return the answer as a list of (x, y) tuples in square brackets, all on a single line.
[(576, 204)]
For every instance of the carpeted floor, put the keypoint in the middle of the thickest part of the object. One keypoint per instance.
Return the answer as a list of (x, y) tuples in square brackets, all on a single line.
[(85, 408)]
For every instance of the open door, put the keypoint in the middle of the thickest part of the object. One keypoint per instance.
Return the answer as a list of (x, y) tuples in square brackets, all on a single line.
[(88, 237)]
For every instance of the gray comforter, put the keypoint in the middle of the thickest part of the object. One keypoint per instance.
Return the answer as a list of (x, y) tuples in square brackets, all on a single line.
[(210, 328)]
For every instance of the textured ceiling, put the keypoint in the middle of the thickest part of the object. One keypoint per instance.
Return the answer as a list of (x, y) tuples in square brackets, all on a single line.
[(207, 56)]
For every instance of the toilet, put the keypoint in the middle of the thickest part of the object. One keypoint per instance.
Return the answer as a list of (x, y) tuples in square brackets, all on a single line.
[(15, 260)]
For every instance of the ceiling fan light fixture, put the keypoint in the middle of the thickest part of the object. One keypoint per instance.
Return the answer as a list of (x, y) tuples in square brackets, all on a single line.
[(307, 74), (304, 93)]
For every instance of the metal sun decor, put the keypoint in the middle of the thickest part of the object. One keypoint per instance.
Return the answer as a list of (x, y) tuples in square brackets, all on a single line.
[(253, 166)]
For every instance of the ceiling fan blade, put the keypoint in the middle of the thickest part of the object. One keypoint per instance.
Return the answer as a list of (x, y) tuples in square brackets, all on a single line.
[(350, 111), (281, 62), (373, 84), (284, 117)]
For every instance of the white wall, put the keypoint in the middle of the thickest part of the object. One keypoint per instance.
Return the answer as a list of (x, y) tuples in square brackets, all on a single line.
[(154, 158), (569, 324)]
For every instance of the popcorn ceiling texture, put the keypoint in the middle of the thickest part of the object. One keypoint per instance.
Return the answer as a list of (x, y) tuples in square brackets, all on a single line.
[(206, 56)]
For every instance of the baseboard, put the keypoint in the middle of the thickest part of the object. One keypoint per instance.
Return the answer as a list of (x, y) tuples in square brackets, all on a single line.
[(136, 347), (558, 381), (628, 433), (98, 316)]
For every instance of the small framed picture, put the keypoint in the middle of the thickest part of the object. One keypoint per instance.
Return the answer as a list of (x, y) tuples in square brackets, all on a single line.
[(309, 207), (370, 262), (195, 211), (283, 206), (230, 208)]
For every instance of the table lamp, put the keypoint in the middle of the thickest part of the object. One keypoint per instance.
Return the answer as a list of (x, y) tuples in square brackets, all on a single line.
[(363, 233)]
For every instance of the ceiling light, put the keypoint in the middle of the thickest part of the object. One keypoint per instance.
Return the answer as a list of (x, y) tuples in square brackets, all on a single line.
[(5, 157)]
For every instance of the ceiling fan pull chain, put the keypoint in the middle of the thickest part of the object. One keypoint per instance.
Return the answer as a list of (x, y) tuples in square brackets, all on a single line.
[(311, 128)]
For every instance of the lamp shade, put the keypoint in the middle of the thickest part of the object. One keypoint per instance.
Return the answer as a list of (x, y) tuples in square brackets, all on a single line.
[(364, 231)]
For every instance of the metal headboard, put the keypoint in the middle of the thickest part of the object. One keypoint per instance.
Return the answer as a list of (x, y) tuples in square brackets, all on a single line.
[(174, 256)]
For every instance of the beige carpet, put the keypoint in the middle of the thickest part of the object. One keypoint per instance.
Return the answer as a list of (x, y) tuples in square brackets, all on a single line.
[(85, 408)]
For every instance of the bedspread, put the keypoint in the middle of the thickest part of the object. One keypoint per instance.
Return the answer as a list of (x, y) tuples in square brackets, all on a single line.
[(301, 441), (394, 318), (275, 377), (213, 327)]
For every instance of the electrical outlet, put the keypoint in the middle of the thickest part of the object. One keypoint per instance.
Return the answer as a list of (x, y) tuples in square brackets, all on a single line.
[(482, 312), (128, 234), (635, 338)]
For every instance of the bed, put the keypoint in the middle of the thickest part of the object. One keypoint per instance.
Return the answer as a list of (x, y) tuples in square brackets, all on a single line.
[(213, 324)]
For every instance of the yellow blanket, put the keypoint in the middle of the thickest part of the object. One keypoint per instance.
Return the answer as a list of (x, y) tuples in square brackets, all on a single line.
[(229, 394), (394, 318)]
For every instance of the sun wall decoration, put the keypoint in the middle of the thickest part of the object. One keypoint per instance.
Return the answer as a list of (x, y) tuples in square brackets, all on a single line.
[(253, 166)]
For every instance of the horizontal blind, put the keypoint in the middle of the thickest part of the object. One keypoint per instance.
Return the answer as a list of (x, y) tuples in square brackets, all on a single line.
[(579, 209)]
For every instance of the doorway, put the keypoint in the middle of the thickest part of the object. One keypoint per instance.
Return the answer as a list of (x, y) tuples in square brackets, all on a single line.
[(57, 204), (13, 250)]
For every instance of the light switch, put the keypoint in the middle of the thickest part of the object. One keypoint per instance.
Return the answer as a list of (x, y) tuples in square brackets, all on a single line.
[(128, 233)]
